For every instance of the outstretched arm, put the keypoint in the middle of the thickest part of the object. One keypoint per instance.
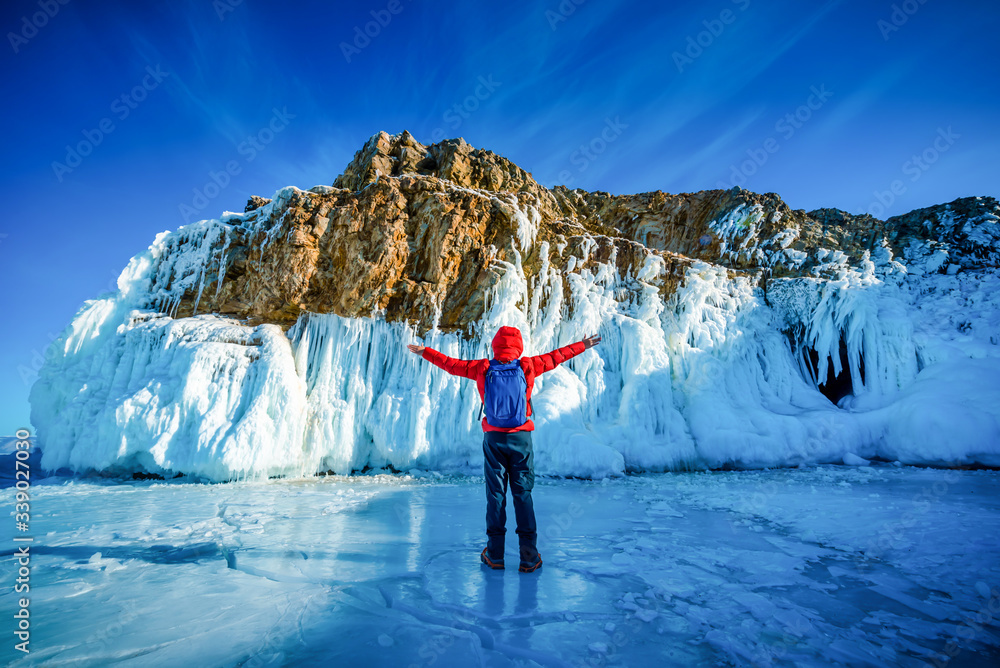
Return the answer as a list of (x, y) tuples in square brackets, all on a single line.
[(551, 360), (464, 368)]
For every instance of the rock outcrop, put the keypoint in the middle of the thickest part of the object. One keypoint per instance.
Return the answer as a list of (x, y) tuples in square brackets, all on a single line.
[(737, 332), (255, 202), (413, 231)]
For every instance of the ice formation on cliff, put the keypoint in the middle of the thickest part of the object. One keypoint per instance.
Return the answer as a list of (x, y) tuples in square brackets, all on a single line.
[(722, 373)]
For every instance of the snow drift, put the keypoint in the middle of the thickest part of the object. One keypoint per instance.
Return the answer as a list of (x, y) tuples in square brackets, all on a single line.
[(727, 370)]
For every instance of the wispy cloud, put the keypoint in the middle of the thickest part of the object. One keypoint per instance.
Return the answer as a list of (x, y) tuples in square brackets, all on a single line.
[(642, 84), (702, 165), (870, 93)]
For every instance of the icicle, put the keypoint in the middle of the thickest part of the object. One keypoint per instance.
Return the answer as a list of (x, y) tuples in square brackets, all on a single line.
[(706, 378)]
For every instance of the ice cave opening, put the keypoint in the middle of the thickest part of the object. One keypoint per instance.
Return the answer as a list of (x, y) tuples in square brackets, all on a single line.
[(838, 383)]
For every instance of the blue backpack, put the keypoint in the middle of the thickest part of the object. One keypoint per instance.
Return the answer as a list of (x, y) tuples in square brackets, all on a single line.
[(506, 403)]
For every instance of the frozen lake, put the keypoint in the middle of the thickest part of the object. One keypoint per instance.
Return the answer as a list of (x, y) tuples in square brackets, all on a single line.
[(857, 566)]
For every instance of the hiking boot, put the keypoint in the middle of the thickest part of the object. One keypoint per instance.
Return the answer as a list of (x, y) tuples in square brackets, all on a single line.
[(495, 565), (531, 566)]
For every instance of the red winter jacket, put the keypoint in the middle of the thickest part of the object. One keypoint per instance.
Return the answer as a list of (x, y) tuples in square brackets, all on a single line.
[(507, 346)]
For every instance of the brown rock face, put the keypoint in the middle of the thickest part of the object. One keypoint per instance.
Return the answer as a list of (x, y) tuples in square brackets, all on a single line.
[(969, 227), (255, 202), (413, 232), (407, 246)]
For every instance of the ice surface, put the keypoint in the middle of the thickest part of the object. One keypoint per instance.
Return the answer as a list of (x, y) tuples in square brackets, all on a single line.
[(715, 375), (871, 565)]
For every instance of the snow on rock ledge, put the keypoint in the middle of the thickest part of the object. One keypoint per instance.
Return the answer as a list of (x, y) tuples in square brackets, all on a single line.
[(295, 370)]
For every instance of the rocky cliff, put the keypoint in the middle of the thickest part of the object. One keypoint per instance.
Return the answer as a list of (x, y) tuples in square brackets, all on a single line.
[(413, 232), (737, 331)]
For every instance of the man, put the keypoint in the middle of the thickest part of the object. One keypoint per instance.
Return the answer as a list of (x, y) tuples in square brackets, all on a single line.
[(507, 431)]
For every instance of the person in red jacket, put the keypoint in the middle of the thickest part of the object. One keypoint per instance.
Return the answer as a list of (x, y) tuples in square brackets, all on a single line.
[(507, 450)]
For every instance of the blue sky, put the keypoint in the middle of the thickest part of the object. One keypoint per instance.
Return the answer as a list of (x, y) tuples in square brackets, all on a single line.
[(826, 104)]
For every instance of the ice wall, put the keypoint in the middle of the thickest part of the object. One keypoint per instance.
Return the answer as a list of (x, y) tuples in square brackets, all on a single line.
[(713, 376)]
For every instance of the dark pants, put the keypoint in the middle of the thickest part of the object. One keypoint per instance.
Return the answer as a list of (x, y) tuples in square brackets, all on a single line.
[(508, 457)]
